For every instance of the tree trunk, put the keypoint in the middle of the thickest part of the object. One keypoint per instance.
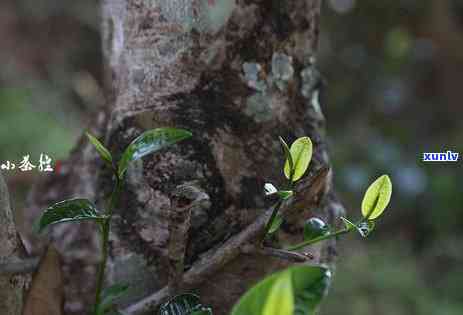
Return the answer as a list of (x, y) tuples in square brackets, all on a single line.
[(238, 74), (11, 286)]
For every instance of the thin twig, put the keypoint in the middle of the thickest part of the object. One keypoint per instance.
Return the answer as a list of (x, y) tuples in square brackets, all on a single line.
[(318, 239), (216, 258), (19, 266), (251, 249)]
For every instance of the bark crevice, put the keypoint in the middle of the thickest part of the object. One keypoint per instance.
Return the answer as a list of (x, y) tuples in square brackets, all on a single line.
[(12, 285)]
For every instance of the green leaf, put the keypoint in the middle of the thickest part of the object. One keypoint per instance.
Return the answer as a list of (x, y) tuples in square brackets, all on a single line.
[(67, 211), (377, 198), (285, 194), (184, 304), (149, 142), (276, 224), (109, 295), (315, 227), (280, 300), (288, 157), (309, 286), (301, 154), (100, 148)]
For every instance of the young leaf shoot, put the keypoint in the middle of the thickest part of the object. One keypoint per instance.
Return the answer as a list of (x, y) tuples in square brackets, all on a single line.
[(280, 300), (301, 154), (101, 149), (377, 198)]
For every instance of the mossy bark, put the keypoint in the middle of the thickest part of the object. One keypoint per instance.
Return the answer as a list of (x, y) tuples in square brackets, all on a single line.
[(238, 74)]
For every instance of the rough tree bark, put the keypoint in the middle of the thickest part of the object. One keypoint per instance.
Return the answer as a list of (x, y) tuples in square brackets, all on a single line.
[(11, 286), (238, 74)]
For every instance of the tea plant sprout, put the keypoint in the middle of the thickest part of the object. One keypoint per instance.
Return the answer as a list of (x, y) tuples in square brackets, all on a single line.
[(77, 209), (300, 289), (374, 203), (297, 161), (298, 158)]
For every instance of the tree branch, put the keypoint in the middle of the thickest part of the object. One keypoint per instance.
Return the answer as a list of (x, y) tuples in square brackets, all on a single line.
[(251, 249), (18, 266)]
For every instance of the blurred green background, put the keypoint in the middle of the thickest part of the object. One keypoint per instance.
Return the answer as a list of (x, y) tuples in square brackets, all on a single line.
[(394, 74), (394, 71)]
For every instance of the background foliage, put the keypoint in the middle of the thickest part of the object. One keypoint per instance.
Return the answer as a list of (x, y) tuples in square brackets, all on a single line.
[(393, 70)]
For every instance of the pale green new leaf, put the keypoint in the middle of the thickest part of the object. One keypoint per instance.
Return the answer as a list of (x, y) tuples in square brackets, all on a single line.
[(377, 198), (301, 154), (100, 148), (309, 286), (280, 300), (288, 158)]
